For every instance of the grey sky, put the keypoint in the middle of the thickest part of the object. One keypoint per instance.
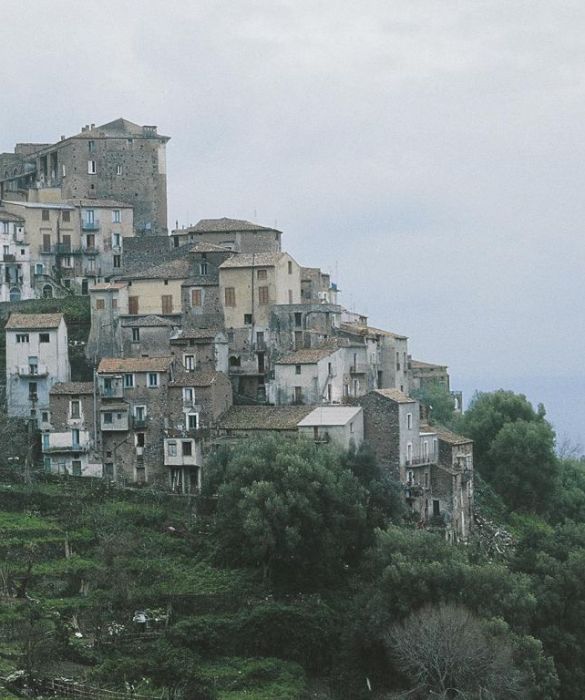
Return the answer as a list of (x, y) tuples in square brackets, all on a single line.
[(431, 152)]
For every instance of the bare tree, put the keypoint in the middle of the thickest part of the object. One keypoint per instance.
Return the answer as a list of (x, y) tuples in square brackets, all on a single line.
[(448, 652)]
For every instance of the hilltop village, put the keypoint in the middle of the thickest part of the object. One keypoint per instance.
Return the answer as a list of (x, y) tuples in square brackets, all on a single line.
[(200, 336)]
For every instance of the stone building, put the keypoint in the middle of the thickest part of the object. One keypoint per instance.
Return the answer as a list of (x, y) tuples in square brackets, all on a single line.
[(309, 376), (423, 374), (108, 301), (317, 287), (241, 422), (200, 349), (36, 359), (196, 400), (119, 160), (69, 436), (234, 234), (15, 263), (134, 400)]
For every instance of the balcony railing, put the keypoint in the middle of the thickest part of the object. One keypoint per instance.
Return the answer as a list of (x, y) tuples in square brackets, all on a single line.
[(112, 392), (359, 368), (139, 423), (8, 257), (419, 461), (90, 225), (60, 249), (32, 370)]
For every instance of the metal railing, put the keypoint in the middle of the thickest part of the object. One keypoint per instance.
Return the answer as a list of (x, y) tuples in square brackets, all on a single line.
[(90, 225)]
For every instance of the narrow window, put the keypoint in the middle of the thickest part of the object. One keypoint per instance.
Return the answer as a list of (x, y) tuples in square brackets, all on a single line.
[(45, 215), (129, 381), (133, 305), (172, 449), (75, 437), (66, 214), (167, 303), (289, 267), (409, 421), (262, 274), (230, 296), (152, 379), (100, 304), (247, 319), (91, 167), (203, 268), (263, 295), (116, 216), (117, 260), (135, 335), (75, 409), (187, 448), (195, 297), (298, 369)]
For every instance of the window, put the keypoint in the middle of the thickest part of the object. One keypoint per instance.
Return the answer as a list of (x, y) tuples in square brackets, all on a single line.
[(203, 268), (46, 438), (263, 295), (114, 302), (436, 508), (409, 421), (298, 394), (135, 335), (46, 242), (109, 470), (167, 303), (140, 413), (172, 449), (262, 274), (22, 337), (128, 381), (298, 319), (195, 297), (260, 339), (45, 215), (66, 215), (39, 269), (140, 440), (132, 305), (5, 227), (152, 379), (76, 467), (192, 421), (351, 427), (75, 436), (44, 338), (188, 394), (100, 304), (91, 146), (91, 167), (45, 416), (116, 216), (187, 448), (247, 319), (66, 261), (189, 362), (117, 261), (118, 169), (75, 409), (230, 296), (116, 240), (298, 369), (289, 267), (90, 240), (397, 360), (108, 418)]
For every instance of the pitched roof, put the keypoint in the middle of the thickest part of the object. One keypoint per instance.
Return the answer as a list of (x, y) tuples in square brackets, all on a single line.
[(205, 247), (107, 286), (196, 378), (224, 225), (134, 364), (330, 415), (195, 334), (263, 417), (379, 331), (31, 321), (117, 127), (150, 321), (307, 356), (417, 364), (98, 203), (252, 260), (449, 436), (395, 395), (9, 216), (72, 388)]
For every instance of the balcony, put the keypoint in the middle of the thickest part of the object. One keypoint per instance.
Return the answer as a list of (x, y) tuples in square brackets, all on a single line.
[(90, 250), (140, 423), (420, 461), (115, 420), (73, 447), (90, 225), (112, 392), (359, 368), (8, 258), (33, 371)]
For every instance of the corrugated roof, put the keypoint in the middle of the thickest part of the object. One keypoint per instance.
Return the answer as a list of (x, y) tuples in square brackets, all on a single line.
[(224, 225), (107, 286), (252, 260), (395, 395), (330, 415), (150, 321), (307, 356), (72, 388), (33, 321), (263, 417), (134, 364)]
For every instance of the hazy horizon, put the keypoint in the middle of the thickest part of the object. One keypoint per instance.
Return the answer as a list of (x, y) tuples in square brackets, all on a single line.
[(429, 156)]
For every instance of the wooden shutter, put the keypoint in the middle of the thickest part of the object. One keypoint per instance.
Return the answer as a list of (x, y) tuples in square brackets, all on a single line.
[(132, 305), (195, 297), (167, 303)]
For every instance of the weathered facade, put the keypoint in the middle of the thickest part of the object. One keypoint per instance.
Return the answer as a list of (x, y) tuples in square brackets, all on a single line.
[(15, 262), (234, 234), (342, 426), (119, 160), (36, 359)]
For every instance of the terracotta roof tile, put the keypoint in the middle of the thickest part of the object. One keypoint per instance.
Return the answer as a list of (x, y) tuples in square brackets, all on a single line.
[(252, 260), (263, 417), (307, 356), (134, 364), (225, 225), (33, 321)]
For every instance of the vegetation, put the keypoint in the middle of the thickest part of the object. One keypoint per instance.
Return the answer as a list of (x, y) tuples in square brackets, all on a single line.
[(297, 574)]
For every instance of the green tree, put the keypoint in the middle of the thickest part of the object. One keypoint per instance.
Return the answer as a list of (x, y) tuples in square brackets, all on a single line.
[(489, 412), (438, 401), (289, 507), (525, 467)]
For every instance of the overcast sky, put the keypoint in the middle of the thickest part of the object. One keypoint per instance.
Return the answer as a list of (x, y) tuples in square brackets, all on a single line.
[(429, 154)]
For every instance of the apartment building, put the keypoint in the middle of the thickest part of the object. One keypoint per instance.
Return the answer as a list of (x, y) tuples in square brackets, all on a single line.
[(15, 260)]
